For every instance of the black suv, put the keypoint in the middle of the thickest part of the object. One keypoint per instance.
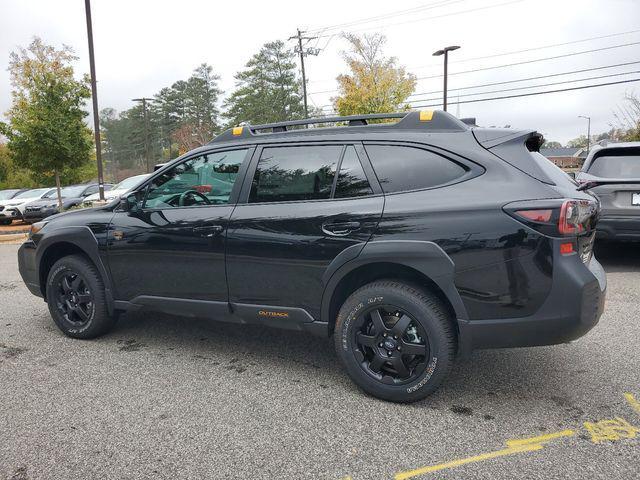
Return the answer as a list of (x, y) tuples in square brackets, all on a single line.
[(409, 242)]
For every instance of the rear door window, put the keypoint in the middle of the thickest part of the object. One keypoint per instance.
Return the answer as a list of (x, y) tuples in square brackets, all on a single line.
[(401, 168), (351, 182), (286, 174), (616, 166)]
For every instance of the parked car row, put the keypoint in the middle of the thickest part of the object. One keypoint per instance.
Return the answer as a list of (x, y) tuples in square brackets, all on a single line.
[(33, 205)]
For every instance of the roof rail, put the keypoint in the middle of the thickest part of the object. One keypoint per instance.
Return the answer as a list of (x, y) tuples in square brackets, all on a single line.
[(428, 120)]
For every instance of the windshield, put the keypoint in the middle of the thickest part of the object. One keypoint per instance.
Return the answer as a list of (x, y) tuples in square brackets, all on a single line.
[(619, 166), (72, 192), (6, 194), (129, 183), (33, 193)]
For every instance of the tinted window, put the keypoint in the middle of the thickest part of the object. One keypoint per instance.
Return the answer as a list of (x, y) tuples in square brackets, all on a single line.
[(626, 166), (295, 173), (352, 181), (203, 180), (407, 168)]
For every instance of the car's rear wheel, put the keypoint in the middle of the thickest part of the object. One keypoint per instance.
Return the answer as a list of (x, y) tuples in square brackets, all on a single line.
[(76, 298), (395, 340)]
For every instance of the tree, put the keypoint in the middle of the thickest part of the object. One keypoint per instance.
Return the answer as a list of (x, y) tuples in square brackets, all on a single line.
[(12, 176), (628, 118), (267, 90), (187, 112), (46, 129), (551, 144), (376, 84), (579, 142)]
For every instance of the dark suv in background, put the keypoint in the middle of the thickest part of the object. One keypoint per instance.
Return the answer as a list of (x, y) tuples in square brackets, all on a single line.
[(612, 167), (409, 242)]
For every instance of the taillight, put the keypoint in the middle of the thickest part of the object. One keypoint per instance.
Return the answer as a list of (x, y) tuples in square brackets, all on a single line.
[(556, 218)]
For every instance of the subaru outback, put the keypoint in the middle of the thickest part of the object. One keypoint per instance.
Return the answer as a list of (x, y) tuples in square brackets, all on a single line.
[(409, 242)]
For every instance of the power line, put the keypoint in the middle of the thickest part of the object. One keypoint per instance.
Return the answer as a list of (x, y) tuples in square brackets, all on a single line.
[(538, 77), (339, 26), (532, 49), (506, 82), (532, 93), (565, 55), (535, 86), (460, 12)]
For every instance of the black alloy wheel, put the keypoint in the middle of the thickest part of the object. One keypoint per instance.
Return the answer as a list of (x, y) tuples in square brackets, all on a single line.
[(74, 300), (389, 345)]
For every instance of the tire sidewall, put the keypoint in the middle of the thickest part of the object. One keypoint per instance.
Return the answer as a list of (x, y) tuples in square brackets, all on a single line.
[(65, 266), (439, 361)]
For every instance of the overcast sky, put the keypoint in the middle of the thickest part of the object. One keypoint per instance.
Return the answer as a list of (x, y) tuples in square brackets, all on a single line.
[(142, 46)]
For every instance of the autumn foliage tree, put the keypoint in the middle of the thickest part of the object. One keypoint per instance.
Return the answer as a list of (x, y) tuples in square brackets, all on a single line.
[(46, 128), (375, 84)]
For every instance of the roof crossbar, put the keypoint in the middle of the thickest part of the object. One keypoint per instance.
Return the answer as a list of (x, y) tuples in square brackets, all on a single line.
[(351, 119)]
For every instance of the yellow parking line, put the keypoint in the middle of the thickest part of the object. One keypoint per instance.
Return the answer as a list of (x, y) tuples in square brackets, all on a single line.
[(513, 446), (631, 400)]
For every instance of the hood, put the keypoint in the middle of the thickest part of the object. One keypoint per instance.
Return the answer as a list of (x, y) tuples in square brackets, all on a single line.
[(53, 202), (17, 201), (108, 195)]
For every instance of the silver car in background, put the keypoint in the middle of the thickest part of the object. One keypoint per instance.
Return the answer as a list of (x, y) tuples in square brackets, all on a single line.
[(608, 168)]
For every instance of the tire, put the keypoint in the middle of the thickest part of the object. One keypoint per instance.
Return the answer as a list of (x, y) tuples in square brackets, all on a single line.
[(404, 358), (76, 298)]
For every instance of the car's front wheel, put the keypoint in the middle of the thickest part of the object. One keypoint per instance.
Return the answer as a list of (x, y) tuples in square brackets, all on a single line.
[(76, 298), (395, 340)]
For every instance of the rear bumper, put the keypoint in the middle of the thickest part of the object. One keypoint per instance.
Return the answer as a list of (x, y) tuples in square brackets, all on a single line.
[(573, 307), (619, 227), (27, 267)]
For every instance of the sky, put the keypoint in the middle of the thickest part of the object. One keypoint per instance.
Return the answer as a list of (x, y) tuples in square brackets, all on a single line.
[(142, 46)]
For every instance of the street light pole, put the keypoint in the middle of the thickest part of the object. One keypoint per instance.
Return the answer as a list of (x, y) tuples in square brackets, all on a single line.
[(445, 51), (588, 131), (94, 98)]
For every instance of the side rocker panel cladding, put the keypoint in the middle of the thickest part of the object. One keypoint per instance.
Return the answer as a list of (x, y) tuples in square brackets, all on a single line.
[(425, 257)]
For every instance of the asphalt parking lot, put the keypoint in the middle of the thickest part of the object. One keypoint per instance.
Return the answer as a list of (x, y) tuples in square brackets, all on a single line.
[(168, 397)]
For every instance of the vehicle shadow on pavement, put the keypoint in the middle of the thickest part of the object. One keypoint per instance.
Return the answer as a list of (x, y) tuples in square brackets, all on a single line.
[(486, 376), (618, 256), (204, 339)]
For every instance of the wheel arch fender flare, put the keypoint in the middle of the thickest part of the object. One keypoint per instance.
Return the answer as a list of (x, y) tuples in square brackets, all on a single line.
[(426, 257), (83, 239)]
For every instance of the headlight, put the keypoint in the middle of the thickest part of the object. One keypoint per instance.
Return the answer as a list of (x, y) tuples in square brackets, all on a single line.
[(36, 227)]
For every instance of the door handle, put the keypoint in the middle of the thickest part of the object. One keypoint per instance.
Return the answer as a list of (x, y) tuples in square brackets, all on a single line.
[(209, 231), (340, 228)]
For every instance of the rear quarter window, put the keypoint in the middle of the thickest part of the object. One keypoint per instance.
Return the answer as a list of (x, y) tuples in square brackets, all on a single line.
[(401, 168)]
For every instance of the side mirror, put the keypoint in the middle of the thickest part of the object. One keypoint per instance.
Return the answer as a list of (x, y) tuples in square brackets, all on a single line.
[(130, 202), (124, 204)]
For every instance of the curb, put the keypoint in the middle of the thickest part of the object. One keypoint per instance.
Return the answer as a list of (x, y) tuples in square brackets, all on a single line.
[(13, 238)]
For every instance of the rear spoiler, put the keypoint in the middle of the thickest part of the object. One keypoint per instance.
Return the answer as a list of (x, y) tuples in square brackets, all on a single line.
[(607, 181)]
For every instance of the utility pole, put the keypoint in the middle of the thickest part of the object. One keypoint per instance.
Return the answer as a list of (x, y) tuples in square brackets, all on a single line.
[(588, 119), (303, 52), (445, 51), (94, 98), (146, 127)]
